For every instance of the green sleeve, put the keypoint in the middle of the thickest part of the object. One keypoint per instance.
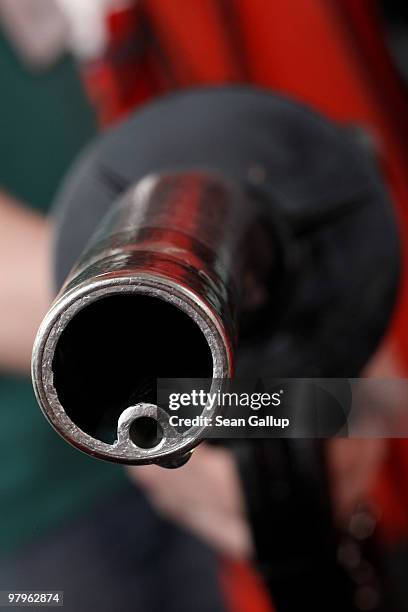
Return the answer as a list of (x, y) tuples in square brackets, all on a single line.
[(45, 120)]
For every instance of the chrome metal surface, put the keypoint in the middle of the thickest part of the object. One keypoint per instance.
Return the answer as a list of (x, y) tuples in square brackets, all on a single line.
[(174, 245)]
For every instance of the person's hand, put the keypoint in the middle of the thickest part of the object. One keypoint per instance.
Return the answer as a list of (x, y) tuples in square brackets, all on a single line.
[(203, 496), (25, 281), (355, 464)]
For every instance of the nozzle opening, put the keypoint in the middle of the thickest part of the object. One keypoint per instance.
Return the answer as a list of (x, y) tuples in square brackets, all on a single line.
[(146, 432), (110, 355)]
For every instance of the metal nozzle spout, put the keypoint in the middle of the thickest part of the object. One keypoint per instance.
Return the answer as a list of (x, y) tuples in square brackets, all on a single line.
[(153, 296)]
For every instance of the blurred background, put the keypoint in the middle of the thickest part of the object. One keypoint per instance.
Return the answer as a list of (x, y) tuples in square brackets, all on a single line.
[(149, 539)]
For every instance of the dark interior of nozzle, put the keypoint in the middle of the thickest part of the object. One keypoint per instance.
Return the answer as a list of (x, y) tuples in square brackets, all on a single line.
[(112, 352)]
